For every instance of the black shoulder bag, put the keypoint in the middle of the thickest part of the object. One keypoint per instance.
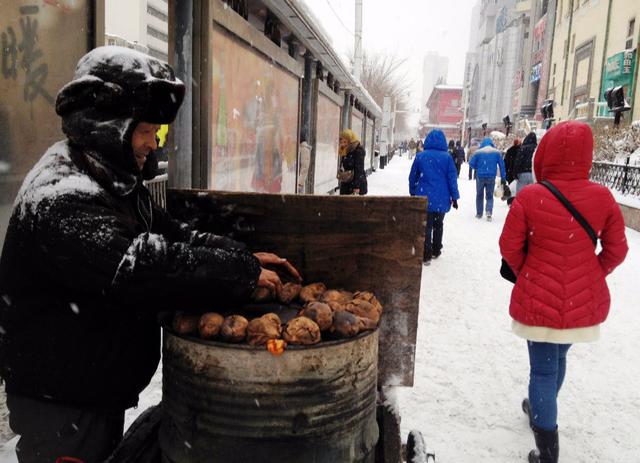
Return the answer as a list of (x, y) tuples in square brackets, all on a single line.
[(505, 270)]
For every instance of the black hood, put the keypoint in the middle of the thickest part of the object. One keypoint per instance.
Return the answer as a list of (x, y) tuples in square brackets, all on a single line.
[(530, 139), (113, 89)]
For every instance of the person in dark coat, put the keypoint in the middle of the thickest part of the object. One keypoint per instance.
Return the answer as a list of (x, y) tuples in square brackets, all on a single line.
[(459, 156), (352, 156), (509, 159), (522, 164), (433, 175), (89, 261)]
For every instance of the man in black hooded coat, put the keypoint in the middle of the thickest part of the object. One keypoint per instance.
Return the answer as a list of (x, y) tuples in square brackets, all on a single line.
[(89, 261)]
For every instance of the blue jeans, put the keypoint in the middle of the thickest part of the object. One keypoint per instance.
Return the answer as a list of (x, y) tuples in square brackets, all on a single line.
[(524, 179), (548, 364), (484, 187)]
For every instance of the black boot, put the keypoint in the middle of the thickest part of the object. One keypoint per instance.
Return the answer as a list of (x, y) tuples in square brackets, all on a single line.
[(547, 446)]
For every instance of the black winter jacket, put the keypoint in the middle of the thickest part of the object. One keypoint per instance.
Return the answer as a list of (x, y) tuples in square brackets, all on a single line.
[(509, 162), (354, 160), (85, 268), (524, 158)]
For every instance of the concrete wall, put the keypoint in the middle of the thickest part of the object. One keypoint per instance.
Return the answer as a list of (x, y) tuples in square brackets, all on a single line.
[(631, 216)]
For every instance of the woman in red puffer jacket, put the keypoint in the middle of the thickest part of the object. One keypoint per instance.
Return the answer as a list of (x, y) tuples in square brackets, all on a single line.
[(561, 296)]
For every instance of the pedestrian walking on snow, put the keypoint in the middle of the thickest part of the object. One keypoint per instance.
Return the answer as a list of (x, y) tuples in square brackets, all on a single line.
[(560, 296), (458, 156), (352, 156), (433, 174), (522, 168), (486, 161), (89, 261)]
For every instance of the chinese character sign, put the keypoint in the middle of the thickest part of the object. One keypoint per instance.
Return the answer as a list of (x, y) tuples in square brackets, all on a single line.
[(40, 44)]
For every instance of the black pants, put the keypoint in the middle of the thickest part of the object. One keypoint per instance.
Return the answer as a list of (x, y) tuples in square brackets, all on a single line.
[(49, 431), (433, 234), (471, 173)]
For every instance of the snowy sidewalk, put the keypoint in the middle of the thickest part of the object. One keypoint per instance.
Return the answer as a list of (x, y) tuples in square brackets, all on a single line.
[(471, 372)]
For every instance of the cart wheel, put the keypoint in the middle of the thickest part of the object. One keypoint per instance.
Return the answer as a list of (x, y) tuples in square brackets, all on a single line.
[(417, 449)]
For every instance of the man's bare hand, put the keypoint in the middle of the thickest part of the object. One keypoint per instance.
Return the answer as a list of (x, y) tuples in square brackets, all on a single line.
[(269, 279), (266, 258)]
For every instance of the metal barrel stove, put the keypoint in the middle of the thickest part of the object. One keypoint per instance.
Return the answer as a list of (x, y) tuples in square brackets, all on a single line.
[(237, 403)]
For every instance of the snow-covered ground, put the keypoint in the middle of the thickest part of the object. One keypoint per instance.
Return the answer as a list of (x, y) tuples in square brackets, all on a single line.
[(471, 373)]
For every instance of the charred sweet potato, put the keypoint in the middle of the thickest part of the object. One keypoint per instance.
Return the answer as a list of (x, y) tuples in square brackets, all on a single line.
[(370, 298), (337, 306), (234, 328), (288, 292), (336, 295), (301, 330), (312, 292), (261, 330), (210, 324), (262, 294), (185, 323), (362, 308), (320, 313), (345, 325), (366, 324)]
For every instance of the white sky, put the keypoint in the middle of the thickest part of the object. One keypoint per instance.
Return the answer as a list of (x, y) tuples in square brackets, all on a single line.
[(407, 28)]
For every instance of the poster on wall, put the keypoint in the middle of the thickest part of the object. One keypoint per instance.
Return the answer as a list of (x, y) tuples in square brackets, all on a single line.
[(40, 44), (254, 118), (619, 71), (327, 131)]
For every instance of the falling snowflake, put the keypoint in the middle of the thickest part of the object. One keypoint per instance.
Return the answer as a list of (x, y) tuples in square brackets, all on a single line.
[(74, 308)]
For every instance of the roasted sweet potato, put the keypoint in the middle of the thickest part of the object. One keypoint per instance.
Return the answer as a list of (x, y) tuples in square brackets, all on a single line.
[(261, 330), (370, 298), (312, 292), (185, 323), (345, 324), (364, 309), (288, 292), (320, 313), (210, 324), (336, 295), (337, 306), (366, 324), (301, 330), (263, 294), (234, 328)]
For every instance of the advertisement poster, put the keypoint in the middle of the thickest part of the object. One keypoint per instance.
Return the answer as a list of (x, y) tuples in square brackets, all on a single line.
[(357, 123), (327, 131), (38, 56), (619, 71), (254, 117)]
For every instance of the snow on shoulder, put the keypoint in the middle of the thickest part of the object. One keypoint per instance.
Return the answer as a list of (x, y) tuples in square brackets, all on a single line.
[(54, 175)]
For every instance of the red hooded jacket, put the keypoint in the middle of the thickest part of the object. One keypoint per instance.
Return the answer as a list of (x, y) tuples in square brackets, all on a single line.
[(561, 280)]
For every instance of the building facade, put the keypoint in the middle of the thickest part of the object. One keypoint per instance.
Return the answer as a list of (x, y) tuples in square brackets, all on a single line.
[(594, 48), (445, 110), (146, 24), (434, 71), (495, 63)]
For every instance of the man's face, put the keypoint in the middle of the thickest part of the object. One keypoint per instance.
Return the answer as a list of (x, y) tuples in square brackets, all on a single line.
[(143, 141)]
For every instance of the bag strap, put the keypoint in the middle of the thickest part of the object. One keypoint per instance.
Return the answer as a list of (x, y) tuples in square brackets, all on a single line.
[(565, 202)]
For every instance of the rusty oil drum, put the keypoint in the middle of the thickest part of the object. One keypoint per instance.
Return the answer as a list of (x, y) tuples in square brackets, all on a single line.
[(240, 404)]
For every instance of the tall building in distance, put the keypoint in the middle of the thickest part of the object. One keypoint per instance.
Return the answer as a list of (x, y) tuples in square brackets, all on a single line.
[(434, 71), (139, 24)]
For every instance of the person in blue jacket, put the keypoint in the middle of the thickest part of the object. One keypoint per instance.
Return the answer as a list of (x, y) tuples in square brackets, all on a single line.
[(486, 161), (433, 174)]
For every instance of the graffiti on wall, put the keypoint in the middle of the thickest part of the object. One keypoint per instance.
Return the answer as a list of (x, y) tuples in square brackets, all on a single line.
[(40, 44), (327, 131), (254, 117)]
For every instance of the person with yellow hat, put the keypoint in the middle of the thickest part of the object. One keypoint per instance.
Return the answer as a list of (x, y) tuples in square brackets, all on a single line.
[(351, 175)]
